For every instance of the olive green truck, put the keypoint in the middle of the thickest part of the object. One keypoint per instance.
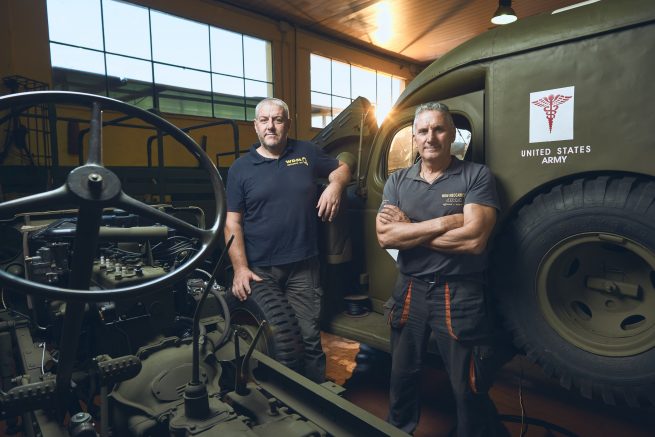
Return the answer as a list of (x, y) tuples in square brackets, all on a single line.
[(557, 105), (560, 107)]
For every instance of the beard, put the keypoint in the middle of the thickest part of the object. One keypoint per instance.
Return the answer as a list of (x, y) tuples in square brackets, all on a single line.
[(272, 142)]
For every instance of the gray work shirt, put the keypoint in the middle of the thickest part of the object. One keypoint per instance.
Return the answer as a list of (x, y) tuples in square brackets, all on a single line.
[(463, 182)]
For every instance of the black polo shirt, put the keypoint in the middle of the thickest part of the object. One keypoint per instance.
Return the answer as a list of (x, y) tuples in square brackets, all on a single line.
[(277, 198), (463, 182)]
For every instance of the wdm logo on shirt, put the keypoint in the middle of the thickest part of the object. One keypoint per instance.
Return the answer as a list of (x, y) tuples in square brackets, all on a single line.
[(453, 199), (296, 161)]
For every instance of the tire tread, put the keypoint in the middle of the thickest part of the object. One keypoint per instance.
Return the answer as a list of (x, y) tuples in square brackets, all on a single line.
[(626, 193)]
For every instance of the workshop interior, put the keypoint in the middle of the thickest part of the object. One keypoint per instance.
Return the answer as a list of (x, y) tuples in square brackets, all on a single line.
[(120, 120)]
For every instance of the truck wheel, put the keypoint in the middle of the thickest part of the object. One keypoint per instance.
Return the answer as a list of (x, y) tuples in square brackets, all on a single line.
[(281, 340), (576, 286)]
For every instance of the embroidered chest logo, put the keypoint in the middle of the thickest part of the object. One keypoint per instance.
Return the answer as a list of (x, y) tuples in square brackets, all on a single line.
[(296, 161), (453, 199)]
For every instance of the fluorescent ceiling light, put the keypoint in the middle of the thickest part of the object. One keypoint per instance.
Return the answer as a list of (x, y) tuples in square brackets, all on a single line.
[(577, 5)]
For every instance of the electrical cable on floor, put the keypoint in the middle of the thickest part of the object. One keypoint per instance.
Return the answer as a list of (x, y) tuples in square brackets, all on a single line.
[(538, 422), (526, 421), (523, 430)]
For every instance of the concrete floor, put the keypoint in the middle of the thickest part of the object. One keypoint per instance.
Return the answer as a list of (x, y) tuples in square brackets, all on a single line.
[(365, 373)]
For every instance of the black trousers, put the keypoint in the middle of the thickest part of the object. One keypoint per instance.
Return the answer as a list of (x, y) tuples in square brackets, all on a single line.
[(455, 310), (301, 285)]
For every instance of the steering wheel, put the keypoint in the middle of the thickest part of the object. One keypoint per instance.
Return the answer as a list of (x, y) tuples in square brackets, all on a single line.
[(92, 187)]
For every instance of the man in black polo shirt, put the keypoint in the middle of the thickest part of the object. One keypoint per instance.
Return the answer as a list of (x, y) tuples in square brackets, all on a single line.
[(440, 213), (272, 213)]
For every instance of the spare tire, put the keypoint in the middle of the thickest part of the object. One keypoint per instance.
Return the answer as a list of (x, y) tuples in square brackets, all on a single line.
[(281, 339), (575, 279)]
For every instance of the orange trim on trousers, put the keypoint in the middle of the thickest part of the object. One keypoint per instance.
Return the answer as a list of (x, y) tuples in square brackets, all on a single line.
[(406, 304), (449, 324), (472, 382)]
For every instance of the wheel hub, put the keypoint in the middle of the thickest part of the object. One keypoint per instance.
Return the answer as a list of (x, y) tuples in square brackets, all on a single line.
[(597, 292)]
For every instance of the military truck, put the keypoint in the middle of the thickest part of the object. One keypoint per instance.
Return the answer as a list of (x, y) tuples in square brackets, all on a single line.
[(557, 105)]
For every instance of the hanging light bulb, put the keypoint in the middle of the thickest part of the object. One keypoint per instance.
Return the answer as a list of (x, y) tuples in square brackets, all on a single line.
[(504, 14)]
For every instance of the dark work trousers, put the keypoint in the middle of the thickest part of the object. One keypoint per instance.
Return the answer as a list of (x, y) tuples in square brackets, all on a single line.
[(454, 309), (300, 284)]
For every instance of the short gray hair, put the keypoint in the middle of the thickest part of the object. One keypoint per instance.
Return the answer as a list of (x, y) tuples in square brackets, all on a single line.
[(272, 100), (433, 106)]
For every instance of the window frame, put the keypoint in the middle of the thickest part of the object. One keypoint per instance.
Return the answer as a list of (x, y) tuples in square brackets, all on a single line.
[(393, 93), (150, 94)]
